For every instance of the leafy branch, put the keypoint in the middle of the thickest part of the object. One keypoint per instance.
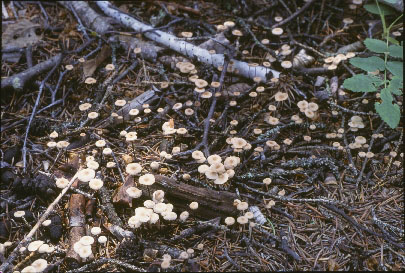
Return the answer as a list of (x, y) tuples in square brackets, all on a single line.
[(388, 111)]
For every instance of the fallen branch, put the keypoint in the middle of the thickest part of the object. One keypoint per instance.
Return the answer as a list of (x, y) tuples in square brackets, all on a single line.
[(190, 50), (18, 81), (89, 17), (77, 222), (211, 203)]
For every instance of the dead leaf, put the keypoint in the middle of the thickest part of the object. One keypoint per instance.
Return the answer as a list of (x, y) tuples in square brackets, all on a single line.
[(19, 35), (91, 65), (121, 196)]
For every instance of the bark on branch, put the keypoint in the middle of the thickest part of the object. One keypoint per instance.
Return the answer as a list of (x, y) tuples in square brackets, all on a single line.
[(190, 50), (211, 203), (19, 80)]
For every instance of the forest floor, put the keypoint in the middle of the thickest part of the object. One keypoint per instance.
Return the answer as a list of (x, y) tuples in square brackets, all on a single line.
[(308, 172)]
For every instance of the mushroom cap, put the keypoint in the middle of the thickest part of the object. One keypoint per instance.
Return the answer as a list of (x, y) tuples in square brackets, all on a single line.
[(186, 34), (147, 179), (102, 239), (277, 31), (193, 205), (95, 230), (86, 175), (267, 181), (229, 221), (149, 204), (133, 168), (242, 220), (131, 136), (210, 174), (29, 269), (160, 207), (313, 106), (158, 196), (200, 83), (170, 216), (86, 240), (222, 179), (91, 164), (84, 106), (242, 206), (43, 248), (280, 96), (229, 24), (90, 80), (238, 142), (84, 251), (206, 95), (96, 184), (214, 159), (197, 155), (184, 215), (134, 192), (237, 32), (249, 214), (34, 246), (134, 222), (19, 213)]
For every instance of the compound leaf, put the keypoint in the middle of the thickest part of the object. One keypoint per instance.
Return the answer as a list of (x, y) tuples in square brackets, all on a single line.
[(390, 113), (376, 45), (396, 68), (395, 85), (392, 40), (385, 10), (369, 64), (362, 83), (396, 51)]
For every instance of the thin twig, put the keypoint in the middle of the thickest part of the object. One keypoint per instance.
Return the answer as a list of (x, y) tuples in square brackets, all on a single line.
[(295, 14), (41, 88)]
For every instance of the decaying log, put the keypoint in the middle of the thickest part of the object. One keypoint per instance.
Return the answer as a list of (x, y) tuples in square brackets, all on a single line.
[(149, 50), (211, 203), (89, 17), (77, 221), (185, 48)]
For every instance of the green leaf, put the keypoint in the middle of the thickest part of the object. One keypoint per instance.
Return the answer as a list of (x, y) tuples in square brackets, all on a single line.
[(392, 40), (372, 8), (369, 64), (395, 85), (376, 45), (390, 113), (396, 51), (386, 94), (396, 68), (362, 83)]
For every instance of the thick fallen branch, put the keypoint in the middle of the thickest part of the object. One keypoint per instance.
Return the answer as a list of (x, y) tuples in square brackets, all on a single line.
[(190, 50), (211, 203), (19, 80), (89, 17)]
